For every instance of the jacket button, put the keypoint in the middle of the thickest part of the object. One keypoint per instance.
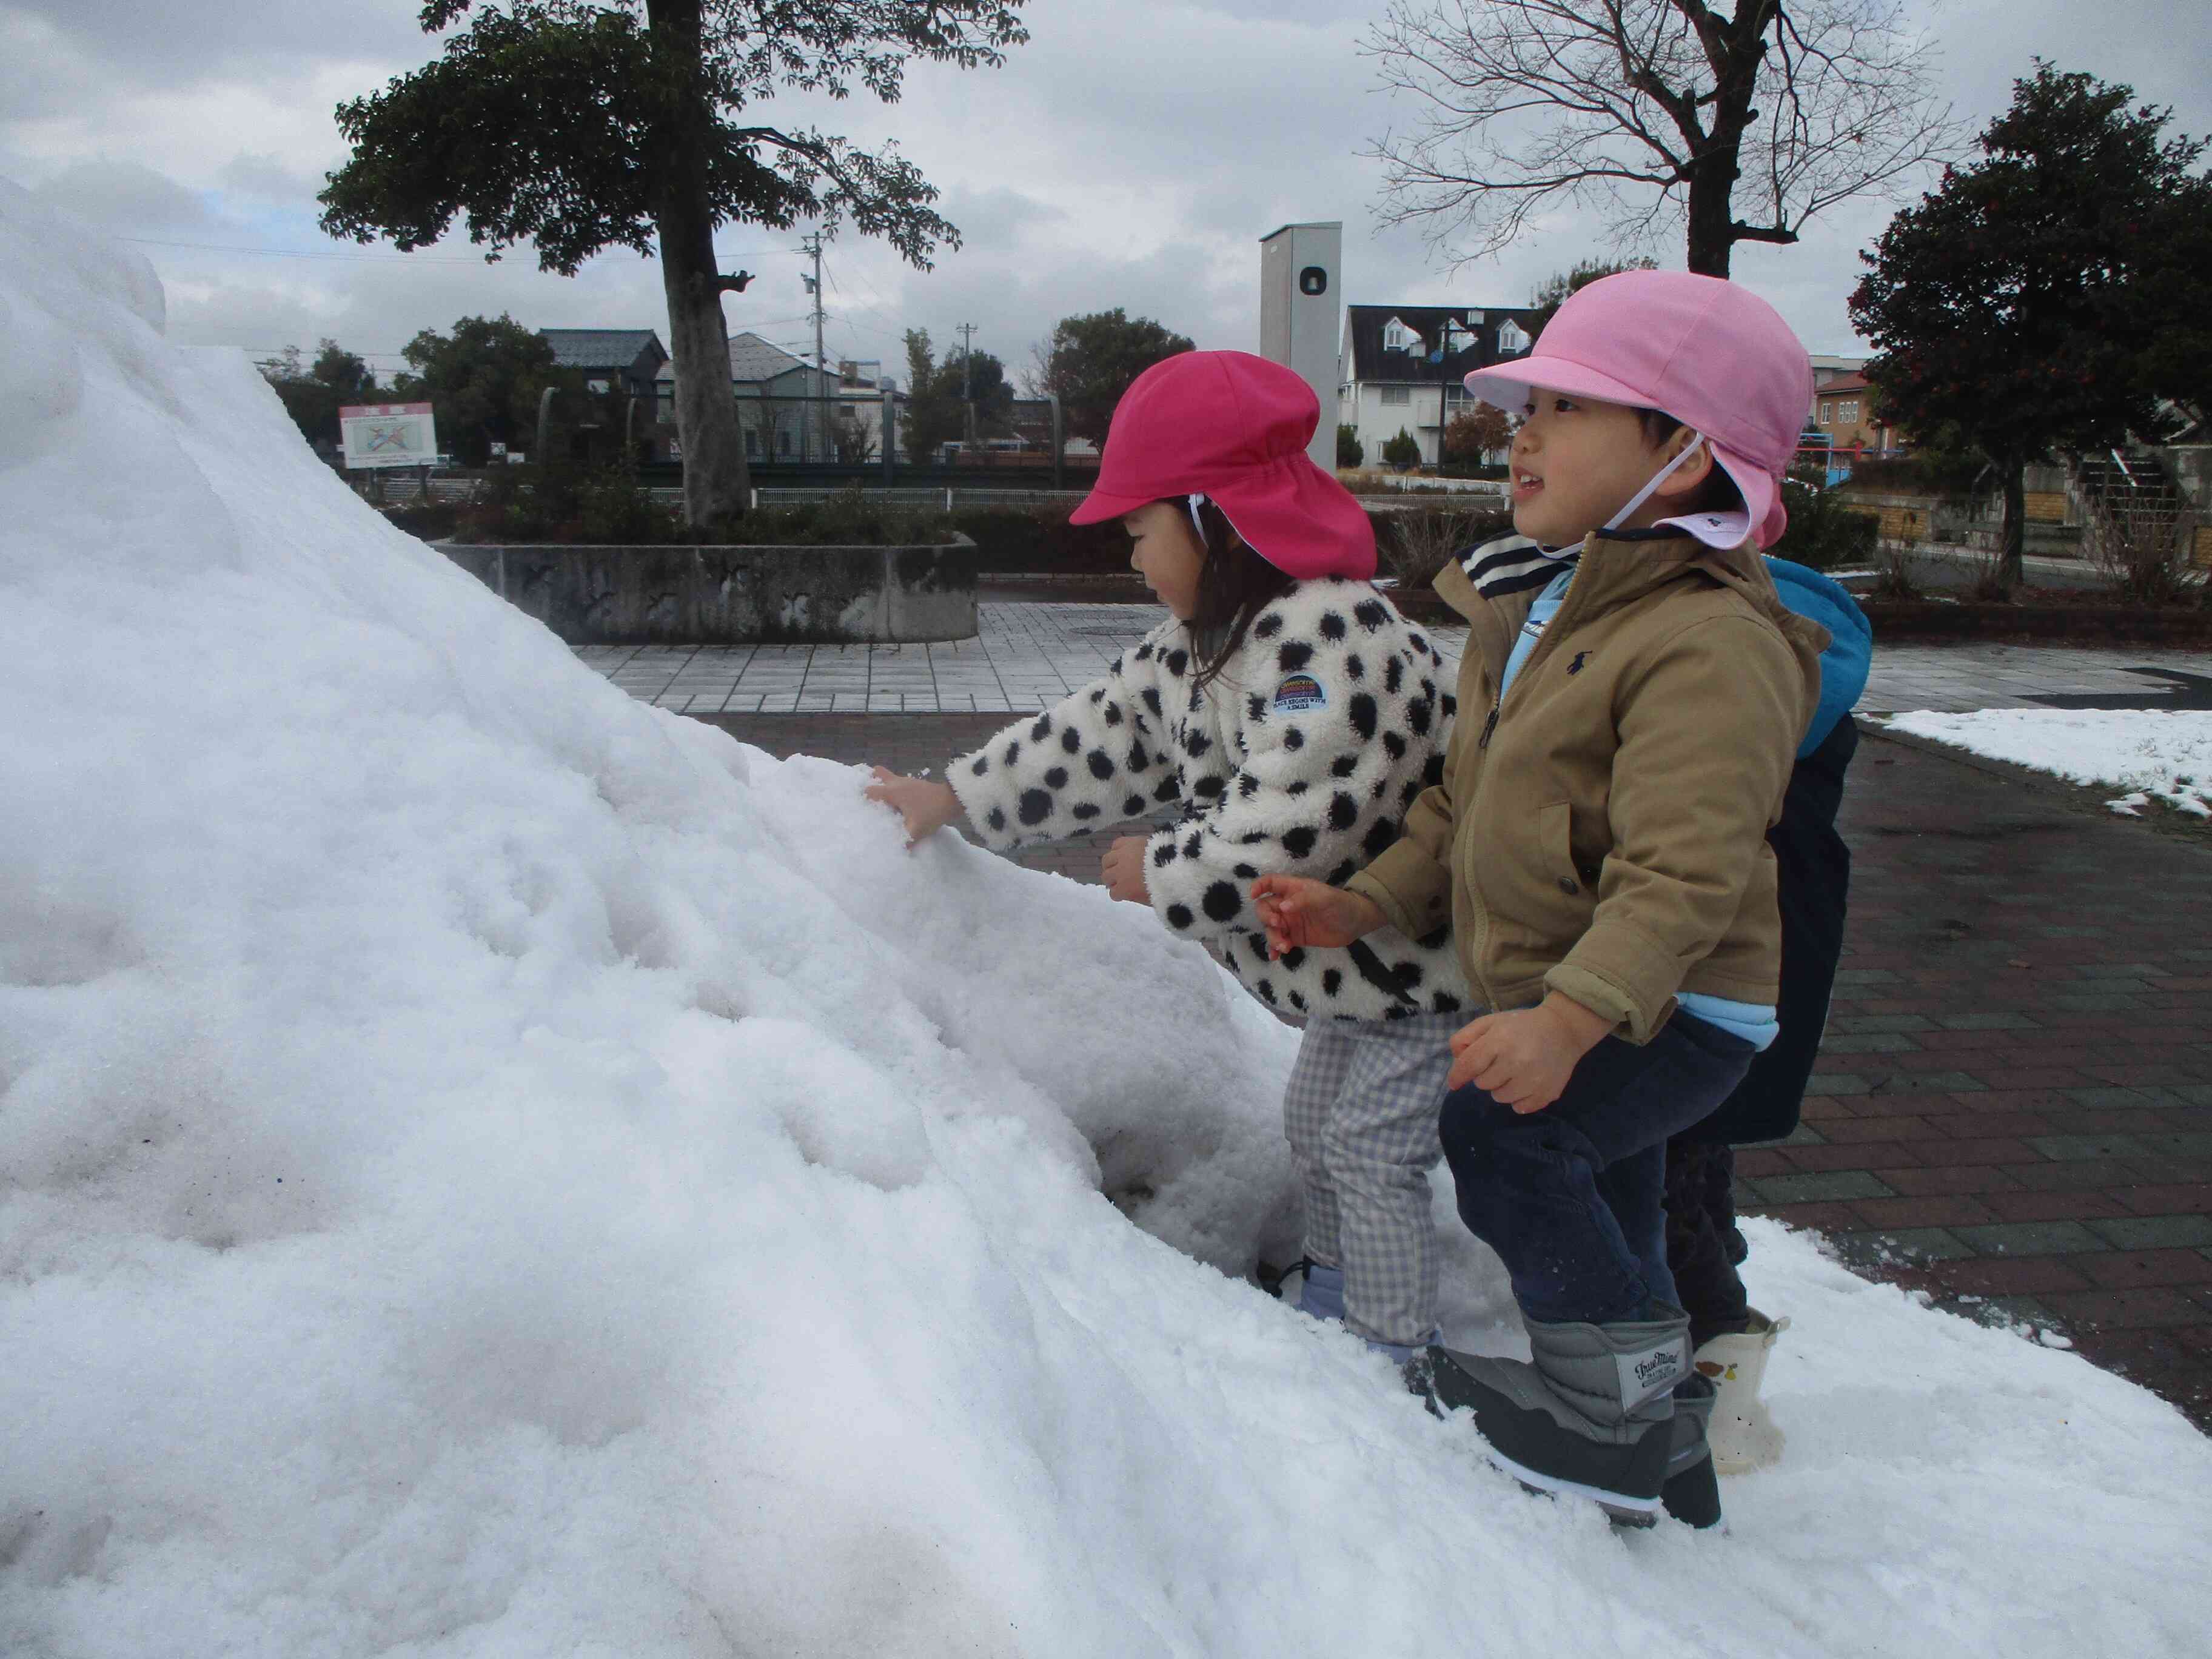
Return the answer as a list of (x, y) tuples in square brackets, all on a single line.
[(1567, 885)]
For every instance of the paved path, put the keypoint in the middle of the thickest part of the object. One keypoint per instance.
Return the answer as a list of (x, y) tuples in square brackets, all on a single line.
[(2014, 1106), (1029, 655)]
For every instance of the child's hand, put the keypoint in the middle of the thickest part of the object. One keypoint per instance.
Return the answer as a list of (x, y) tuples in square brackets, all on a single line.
[(926, 807), (1523, 1059), (1299, 912), (1123, 867)]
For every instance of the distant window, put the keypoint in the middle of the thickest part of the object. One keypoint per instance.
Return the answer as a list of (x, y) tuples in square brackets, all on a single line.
[(597, 385), (783, 441), (1827, 411), (1851, 410), (1512, 339), (1397, 394), (1396, 337), (752, 442)]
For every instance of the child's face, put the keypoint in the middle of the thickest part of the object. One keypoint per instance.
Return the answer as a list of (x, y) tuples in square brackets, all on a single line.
[(1577, 461), (1167, 553)]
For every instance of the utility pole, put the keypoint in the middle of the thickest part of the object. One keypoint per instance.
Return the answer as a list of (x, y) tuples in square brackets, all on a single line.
[(967, 333), (813, 246)]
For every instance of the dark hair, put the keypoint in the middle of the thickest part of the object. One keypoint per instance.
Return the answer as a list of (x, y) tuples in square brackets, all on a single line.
[(1719, 493), (1235, 585)]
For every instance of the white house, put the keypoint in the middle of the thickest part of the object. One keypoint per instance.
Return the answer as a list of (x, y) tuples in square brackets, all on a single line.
[(780, 407), (1399, 366)]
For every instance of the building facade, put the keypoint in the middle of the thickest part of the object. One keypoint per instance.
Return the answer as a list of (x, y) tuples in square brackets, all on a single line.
[(1401, 367)]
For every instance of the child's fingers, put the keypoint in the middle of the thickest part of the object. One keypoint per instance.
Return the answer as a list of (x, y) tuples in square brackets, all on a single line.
[(1470, 1032)]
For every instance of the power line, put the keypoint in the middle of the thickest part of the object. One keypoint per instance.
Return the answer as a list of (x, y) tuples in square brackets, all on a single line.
[(414, 259), (304, 253)]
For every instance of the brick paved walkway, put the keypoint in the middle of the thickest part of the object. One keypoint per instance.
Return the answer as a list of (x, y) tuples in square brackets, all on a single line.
[(1029, 655), (2014, 1106)]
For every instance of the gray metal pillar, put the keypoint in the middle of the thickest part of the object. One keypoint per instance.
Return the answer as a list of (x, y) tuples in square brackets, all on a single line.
[(1058, 444), (889, 440)]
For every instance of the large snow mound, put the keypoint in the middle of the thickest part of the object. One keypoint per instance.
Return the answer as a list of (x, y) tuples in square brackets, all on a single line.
[(489, 1168)]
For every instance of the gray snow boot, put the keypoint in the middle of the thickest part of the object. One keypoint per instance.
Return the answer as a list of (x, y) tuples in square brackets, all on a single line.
[(1591, 1413), (1692, 1492)]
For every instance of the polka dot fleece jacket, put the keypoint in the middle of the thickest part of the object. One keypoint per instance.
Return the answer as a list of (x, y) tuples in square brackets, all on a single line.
[(1301, 757)]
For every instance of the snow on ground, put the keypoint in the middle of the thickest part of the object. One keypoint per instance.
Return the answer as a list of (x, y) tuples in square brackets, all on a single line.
[(489, 1168), (2147, 753)]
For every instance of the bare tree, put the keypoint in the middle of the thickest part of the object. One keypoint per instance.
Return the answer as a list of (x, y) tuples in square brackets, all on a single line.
[(1658, 111)]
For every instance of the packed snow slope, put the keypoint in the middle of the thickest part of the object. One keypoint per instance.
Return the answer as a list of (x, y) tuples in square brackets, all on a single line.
[(488, 1168), (2153, 754)]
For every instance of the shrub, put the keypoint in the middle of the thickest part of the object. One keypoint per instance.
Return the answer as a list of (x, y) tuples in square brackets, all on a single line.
[(1824, 533), (431, 520), (1040, 541), (1413, 546), (1350, 452), (1402, 451)]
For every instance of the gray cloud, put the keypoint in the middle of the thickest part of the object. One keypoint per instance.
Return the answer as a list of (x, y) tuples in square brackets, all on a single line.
[(1131, 155), (127, 196), (162, 44)]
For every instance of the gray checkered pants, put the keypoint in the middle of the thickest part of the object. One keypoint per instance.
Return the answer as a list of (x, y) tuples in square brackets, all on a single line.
[(1361, 1114)]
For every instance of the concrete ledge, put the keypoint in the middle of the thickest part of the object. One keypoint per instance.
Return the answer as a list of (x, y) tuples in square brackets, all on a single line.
[(728, 595), (2117, 624)]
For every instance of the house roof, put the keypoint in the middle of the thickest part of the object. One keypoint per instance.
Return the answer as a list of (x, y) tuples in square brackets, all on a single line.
[(752, 358), (1474, 331), (1848, 383), (600, 348)]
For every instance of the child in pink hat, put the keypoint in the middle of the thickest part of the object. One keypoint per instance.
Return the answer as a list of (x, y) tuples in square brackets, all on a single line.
[(1598, 844), (1286, 717)]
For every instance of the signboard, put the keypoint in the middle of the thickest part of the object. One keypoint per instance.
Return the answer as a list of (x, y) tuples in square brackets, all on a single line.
[(388, 435)]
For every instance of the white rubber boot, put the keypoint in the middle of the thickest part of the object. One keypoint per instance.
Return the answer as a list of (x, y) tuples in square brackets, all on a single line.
[(1743, 1436)]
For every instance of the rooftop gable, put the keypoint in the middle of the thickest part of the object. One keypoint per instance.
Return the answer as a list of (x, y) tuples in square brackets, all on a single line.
[(1396, 342), (602, 347)]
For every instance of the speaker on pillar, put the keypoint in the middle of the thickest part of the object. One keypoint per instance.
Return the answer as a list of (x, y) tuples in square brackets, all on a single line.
[(1300, 303)]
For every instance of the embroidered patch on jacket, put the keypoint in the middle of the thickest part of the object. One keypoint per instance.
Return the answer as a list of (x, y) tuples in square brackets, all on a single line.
[(1298, 693), (1575, 666)]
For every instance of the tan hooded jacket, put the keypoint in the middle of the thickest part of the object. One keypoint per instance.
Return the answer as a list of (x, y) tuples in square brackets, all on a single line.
[(1603, 833)]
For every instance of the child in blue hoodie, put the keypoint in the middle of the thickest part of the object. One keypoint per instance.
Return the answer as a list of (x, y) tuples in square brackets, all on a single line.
[(1703, 1247)]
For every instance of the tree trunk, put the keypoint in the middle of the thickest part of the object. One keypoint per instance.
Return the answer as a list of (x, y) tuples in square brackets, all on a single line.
[(1713, 183), (717, 484), (1734, 47), (2012, 563)]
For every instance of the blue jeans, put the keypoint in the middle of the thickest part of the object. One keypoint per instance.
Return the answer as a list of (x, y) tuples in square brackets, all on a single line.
[(1573, 1198)]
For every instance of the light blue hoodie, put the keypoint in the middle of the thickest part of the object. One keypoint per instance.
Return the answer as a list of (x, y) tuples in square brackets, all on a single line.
[(1851, 642)]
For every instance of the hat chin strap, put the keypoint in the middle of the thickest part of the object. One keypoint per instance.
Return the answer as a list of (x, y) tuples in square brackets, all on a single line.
[(1697, 442), (1197, 500)]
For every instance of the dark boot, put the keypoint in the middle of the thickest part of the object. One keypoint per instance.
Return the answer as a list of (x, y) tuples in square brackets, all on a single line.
[(1591, 1412), (1692, 1492)]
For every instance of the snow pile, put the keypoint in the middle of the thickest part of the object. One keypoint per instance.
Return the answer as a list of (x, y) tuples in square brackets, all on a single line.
[(2152, 754), (487, 1168)]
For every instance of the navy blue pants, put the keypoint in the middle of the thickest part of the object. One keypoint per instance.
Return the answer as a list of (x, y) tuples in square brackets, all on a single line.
[(1573, 1198)]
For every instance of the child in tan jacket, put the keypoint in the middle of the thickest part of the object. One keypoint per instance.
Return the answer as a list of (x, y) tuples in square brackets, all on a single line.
[(1633, 694)]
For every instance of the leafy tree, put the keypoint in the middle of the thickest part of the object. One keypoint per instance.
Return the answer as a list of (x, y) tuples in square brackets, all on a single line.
[(1660, 110), (1555, 291), (1350, 452), (2043, 297), (854, 444), (1471, 433), (936, 411), (1090, 361), (313, 393), (579, 125), (1402, 451), (484, 380)]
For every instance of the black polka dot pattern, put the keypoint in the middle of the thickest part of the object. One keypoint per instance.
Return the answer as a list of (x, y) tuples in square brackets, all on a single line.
[(1303, 756)]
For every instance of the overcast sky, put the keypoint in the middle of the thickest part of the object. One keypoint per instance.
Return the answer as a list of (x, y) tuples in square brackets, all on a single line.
[(1131, 154)]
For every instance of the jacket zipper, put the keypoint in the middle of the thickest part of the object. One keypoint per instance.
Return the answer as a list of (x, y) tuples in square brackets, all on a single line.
[(1482, 909)]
